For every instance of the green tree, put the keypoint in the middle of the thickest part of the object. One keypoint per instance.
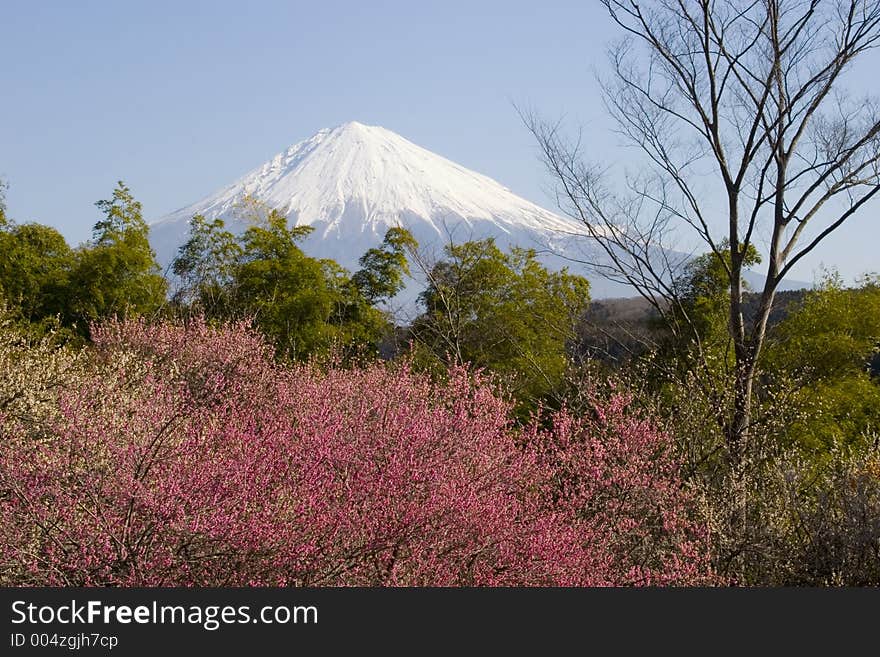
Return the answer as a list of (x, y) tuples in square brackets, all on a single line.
[(383, 269), (205, 268), (35, 264), (700, 313), (363, 325), (285, 290), (116, 274), (501, 311), (695, 347), (823, 352), (836, 329), (3, 186), (305, 306)]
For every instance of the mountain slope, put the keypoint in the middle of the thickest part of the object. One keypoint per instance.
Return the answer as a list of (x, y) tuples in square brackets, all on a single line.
[(353, 182)]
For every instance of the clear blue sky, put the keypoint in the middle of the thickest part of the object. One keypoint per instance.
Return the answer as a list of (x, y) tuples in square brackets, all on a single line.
[(180, 98)]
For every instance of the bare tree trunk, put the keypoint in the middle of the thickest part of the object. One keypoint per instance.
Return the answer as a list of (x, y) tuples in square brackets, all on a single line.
[(750, 92)]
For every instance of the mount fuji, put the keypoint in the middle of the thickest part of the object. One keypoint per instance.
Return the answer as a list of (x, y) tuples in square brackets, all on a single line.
[(353, 182)]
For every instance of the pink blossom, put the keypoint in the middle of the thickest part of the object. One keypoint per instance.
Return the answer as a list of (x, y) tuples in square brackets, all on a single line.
[(191, 458)]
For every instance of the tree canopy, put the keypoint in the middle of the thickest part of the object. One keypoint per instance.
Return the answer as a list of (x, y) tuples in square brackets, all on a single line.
[(116, 274), (35, 270), (505, 312), (825, 350), (304, 305)]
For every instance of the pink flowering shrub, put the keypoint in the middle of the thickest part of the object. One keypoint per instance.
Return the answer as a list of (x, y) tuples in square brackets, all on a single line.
[(614, 478), (189, 457)]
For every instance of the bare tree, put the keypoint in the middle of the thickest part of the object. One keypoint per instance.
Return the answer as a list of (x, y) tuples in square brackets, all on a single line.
[(749, 140)]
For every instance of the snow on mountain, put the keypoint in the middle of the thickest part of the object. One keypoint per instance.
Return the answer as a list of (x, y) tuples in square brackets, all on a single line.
[(353, 182)]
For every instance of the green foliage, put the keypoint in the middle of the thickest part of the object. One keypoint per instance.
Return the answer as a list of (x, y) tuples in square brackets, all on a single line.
[(48, 285), (34, 270), (286, 291), (825, 349), (3, 186), (835, 331), (117, 274), (702, 314), (205, 267), (501, 311), (305, 306), (694, 355), (382, 269), (123, 218), (360, 326)]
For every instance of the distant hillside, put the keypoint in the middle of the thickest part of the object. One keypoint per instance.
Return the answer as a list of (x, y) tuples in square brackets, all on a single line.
[(616, 329)]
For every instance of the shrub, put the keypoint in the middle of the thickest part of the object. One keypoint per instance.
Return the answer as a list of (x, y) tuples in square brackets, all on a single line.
[(189, 457)]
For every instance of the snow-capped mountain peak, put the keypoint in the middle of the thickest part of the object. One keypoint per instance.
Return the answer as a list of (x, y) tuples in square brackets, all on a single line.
[(354, 181)]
